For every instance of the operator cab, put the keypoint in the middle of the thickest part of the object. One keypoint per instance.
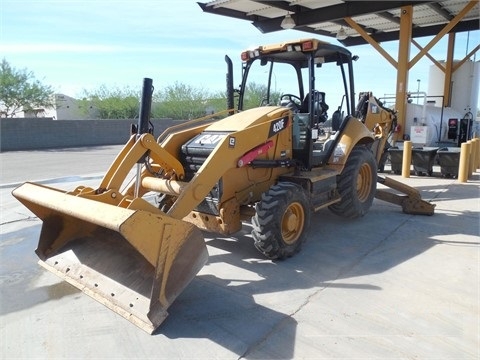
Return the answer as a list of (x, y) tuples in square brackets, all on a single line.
[(300, 75)]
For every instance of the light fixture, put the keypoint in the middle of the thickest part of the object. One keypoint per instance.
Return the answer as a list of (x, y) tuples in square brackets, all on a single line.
[(288, 22), (341, 35)]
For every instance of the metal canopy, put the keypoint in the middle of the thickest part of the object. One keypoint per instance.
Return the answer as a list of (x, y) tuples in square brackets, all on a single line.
[(372, 22), (380, 19)]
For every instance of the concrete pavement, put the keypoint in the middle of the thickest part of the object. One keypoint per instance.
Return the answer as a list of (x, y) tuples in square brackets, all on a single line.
[(386, 286)]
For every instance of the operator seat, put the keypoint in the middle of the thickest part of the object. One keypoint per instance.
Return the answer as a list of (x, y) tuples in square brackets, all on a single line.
[(320, 108), (336, 120)]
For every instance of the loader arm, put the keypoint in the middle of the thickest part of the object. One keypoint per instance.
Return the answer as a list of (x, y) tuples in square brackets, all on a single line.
[(411, 202), (129, 156)]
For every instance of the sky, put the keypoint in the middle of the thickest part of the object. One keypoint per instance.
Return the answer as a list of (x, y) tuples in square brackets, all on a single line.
[(77, 45)]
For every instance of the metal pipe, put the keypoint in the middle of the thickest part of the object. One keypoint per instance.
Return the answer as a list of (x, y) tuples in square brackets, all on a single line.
[(472, 158), (145, 107), (165, 186), (143, 126), (229, 79), (407, 158), (477, 156), (138, 180), (463, 165)]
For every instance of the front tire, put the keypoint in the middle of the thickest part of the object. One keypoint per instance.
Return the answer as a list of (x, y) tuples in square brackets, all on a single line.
[(281, 220), (357, 184)]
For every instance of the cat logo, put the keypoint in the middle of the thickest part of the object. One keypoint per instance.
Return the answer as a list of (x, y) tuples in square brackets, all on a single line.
[(277, 126), (209, 139)]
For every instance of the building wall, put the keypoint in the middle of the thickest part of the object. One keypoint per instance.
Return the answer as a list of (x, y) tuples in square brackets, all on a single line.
[(465, 86), (46, 133), (68, 108)]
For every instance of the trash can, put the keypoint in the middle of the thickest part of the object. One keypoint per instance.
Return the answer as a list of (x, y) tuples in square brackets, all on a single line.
[(423, 159), (448, 159), (396, 158)]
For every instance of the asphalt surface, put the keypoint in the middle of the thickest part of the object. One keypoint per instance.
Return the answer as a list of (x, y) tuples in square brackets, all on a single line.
[(386, 286)]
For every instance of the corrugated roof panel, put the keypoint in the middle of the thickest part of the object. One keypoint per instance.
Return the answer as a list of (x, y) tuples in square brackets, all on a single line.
[(221, 3), (250, 8), (455, 6), (378, 16), (239, 5), (376, 22), (332, 28), (315, 4), (267, 11), (327, 26), (423, 15)]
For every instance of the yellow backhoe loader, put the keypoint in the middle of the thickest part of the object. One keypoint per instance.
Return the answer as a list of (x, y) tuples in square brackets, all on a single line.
[(274, 160)]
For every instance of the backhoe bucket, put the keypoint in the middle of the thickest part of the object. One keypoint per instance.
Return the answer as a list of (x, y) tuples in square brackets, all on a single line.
[(411, 202), (135, 262)]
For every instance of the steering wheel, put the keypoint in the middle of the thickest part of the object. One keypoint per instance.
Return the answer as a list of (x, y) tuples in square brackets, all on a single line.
[(294, 102)]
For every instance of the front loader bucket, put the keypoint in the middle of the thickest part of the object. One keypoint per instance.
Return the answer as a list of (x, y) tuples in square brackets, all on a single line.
[(135, 262)]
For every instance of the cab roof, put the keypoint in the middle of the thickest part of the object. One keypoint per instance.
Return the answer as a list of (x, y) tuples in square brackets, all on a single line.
[(298, 52)]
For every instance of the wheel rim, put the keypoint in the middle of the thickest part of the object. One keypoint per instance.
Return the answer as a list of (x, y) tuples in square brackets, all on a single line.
[(364, 182), (293, 221)]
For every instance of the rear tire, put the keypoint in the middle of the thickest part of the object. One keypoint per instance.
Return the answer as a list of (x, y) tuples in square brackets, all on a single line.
[(281, 220), (357, 184)]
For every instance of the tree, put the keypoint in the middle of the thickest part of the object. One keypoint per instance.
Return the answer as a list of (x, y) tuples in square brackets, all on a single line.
[(112, 104), (20, 91), (181, 101), (256, 95), (217, 102), (178, 101)]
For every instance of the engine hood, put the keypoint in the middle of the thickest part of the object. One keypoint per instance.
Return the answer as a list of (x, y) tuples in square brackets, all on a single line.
[(248, 118)]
